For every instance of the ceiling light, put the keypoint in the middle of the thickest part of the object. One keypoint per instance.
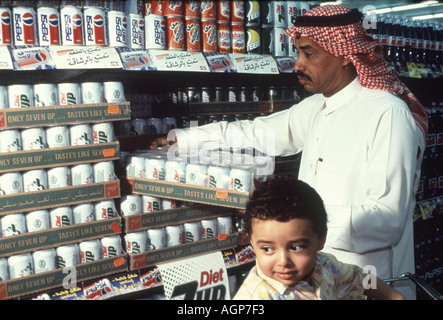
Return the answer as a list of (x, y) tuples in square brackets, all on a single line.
[(426, 17), (414, 6)]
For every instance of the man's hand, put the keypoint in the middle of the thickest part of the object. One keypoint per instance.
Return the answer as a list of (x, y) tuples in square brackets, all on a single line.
[(161, 141)]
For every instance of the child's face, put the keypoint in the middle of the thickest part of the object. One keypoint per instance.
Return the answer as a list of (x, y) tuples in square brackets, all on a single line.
[(286, 251)]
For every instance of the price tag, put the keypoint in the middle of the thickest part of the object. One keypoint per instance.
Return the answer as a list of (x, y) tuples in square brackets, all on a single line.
[(165, 60), (35, 58), (85, 57), (254, 63)]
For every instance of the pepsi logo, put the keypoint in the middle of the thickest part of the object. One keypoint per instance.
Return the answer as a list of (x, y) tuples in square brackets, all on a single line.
[(141, 24), (40, 56), (76, 20), (28, 19), (98, 20), (53, 20), (125, 22), (6, 18)]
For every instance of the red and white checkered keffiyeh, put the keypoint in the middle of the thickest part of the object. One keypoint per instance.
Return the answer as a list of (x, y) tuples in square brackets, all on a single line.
[(352, 42)]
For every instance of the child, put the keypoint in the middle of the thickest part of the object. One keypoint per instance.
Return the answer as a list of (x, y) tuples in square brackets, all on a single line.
[(286, 222)]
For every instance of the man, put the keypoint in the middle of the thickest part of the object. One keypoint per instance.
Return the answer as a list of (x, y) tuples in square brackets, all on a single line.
[(362, 134)]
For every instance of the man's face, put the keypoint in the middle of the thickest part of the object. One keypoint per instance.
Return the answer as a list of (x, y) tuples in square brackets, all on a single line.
[(318, 70)]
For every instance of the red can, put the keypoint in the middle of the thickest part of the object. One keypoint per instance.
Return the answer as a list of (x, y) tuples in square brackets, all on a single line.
[(224, 11), (238, 38), (237, 11), (157, 7), (224, 37), (208, 10), (175, 33), (5, 30), (172, 8), (193, 34), (192, 9), (209, 35)]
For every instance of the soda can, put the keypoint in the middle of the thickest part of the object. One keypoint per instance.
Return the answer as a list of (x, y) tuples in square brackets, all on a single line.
[(192, 9), (61, 217), (156, 7), (10, 141), (233, 94), (11, 183), (5, 29), (193, 94), (155, 168), (136, 167), (274, 41), (71, 18), (193, 34), (131, 204), (47, 3), (155, 32), (104, 171), (83, 213), (13, 224), (37, 220), (105, 209), (266, 13), (93, 3), (197, 174), (90, 251), (95, 26), (168, 124), (59, 177), (48, 22), (35, 180), (293, 11), (240, 179), (303, 7), (220, 94), (67, 256), (253, 39), (237, 11), (33, 138), (111, 246), (135, 34), (175, 171), (82, 174), (209, 35), (102, 132), (150, 204), (224, 37), (139, 126), (20, 266), (75, 3), (252, 12), (20, 96), (57, 136), (174, 235), (154, 126), (24, 25), (80, 134), (218, 176), (173, 8), (134, 6), (92, 92), (209, 228), (4, 272), (208, 10), (279, 10), (45, 94), (135, 242), (156, 239), (44, 260), (176, 33), (225, 225), (113, 91), (193, 231), (168, 204), (238, 38), (4, 102), (69, 93), (117, 28), (223, 11)]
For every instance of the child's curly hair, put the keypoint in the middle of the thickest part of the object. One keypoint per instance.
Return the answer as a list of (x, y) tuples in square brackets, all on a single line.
[(283, 199)]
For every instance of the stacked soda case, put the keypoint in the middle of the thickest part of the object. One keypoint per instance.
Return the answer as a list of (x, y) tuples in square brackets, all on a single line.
[(405, 40)]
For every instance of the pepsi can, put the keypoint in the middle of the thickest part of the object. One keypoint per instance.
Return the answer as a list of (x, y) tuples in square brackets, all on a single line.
[(155, 28), (117, 28), (24, 26), (95, 26), (136, 32), (48, 19), (5, 26), (71, 19)]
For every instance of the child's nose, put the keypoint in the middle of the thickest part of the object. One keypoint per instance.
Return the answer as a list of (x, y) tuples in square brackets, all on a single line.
[(284, 259)]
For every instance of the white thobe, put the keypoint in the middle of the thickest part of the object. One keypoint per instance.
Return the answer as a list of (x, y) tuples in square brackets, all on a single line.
[(362, 153)]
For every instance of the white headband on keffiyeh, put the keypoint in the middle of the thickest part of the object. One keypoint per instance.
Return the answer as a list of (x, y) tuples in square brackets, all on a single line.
[(339, 30)]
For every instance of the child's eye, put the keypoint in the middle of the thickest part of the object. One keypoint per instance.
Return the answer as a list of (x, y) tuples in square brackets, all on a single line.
[(267, 250), (296, 247)]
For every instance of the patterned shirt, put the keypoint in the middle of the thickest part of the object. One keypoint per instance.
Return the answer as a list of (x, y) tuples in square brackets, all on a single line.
[(331, 280)]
